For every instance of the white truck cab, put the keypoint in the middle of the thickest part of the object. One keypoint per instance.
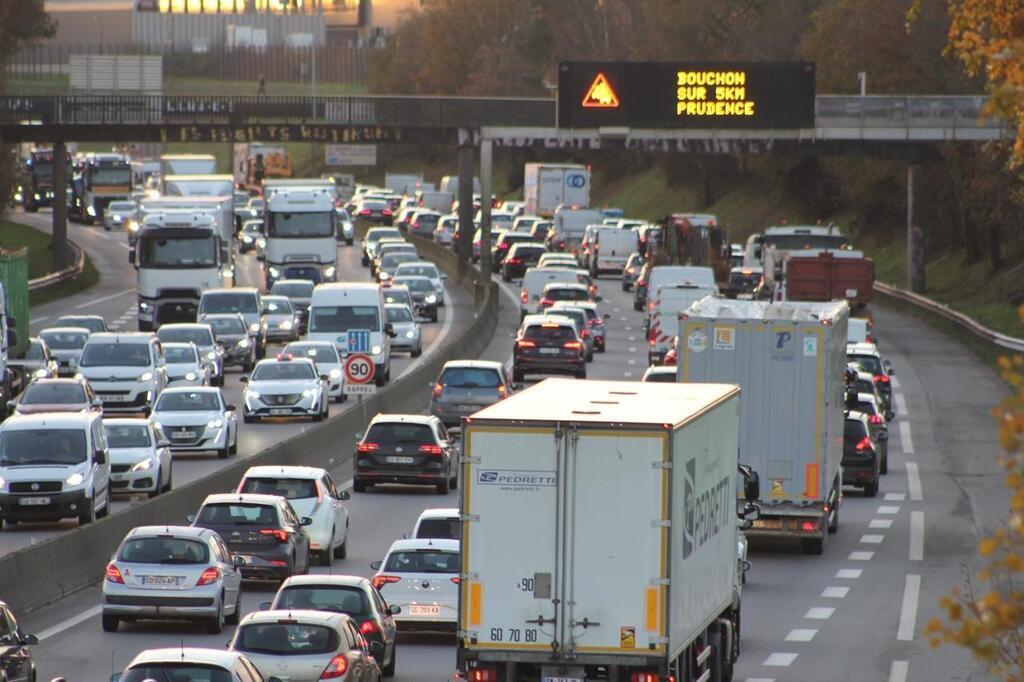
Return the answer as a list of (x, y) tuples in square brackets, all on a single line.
[(341, 308), (300, 226)]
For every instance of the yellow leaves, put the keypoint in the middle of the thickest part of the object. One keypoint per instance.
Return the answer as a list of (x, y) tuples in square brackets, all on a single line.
[(988, 546)]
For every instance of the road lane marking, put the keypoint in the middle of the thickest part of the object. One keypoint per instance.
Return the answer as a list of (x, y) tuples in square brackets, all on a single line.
[(615, 310), (901, 405), (914, 482), (861, 556), (908, 611), (917, 536), (631, 361), (632, 338), (848, 573), (780, 660), (895, 497), (70, 623), (94, 301), (801, 635), (894, 381), (760, 679), (819, 613), (880, 523), (898, 671), (889, 509), (632, 349), (871, 539), (622, 319), (835, 592), (906, 442), (37, 320)]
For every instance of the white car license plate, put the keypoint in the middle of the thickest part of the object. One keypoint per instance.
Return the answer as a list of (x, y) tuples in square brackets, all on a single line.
[(114, 398), (563, 679), (549, 351), (185, 434), (399, 460), (34, 501), (467, 408), (425, 610), (280, 411), (163, 580)]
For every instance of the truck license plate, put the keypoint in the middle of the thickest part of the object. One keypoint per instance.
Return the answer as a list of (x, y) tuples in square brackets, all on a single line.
[(429, 610), (34, 501), (768, 524), (398, 460)]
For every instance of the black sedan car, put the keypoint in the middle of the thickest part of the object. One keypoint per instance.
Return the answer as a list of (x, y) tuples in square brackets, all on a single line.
[(861, 464), (405, 448), (15, 659)]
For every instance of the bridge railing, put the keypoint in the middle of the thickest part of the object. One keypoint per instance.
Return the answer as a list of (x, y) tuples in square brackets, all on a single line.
[(911, 111)]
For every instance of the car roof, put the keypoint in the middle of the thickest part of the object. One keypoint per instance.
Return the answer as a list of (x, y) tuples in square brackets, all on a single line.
[(57, 380), (565, 285), (232, 290), (415, 278), (404, 419), (322, 579), (857, 415), (294, 360), (862, 349), (243, 498), (660, 369), (126, 421), (177, 531), (475, 364), (121, 337), (440, 513), (327, 618), (275, 297), (292, 281), (64, 330), (220, 657), (284, 471), (424, 543), (56, 420), (223, 316), (867, 398), (178, 344), (190, 389), (81, 317), (418, 262), (187, 325)]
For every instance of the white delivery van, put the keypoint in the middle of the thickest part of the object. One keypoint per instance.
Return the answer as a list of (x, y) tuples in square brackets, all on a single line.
[(662, 324), (569, 225), (534, 281), (351, 316), (611, 249), (693, 275), (437, 201), (450, 184)]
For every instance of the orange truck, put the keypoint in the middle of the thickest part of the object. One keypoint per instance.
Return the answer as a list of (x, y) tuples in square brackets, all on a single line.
[(829, 275)]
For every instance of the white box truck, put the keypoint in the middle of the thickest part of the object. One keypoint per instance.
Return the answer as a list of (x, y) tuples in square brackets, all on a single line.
[(599, 534), (397, 182), (790, 360), (188, 164), (546, 186)]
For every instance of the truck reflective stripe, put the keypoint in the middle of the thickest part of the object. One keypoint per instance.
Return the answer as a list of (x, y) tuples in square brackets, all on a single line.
[(811, 481), (653, 597), (475, 601)]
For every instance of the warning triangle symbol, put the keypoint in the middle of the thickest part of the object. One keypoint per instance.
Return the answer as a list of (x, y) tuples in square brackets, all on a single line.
[(600, 94)]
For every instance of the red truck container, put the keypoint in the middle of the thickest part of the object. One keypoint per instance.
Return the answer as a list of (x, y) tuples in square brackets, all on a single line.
[(829, 276)]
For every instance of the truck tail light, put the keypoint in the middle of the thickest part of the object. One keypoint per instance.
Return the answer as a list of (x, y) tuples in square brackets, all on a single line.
[(367, 447), (209, 576), (808, 526), (336, 668), (276, 533), (482, 675), (380, 581), (114, 574)]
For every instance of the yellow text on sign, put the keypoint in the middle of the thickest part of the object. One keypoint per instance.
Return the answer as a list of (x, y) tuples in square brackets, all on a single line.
[(713, 93)]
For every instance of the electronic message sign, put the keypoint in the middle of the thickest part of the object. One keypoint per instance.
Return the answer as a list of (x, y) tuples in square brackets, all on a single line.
[(686, 94)]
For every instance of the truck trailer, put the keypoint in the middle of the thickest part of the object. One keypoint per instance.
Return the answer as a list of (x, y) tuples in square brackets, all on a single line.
[(599, 534), (546, 186)]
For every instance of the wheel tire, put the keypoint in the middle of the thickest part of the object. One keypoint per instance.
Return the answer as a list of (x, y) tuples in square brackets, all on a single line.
[(871, 489), (110, 623), (246, 368), (814, 546), (341, 551), (318, 417), (1, 523), (453, 483), (83, 518), (433, 316), (517, 376), (416, 353), (637, 306), (106, 507), (170, 476), (590, 356), (717, 661), (324, 557), (358, 486), (625, 287), (237, 614), (884, 464), (833, 525), (215, 625), (348, 242), (443, 487), (582, 374), (389, 669), (233, 448), (222, 453), (248, 419), (159, 488)]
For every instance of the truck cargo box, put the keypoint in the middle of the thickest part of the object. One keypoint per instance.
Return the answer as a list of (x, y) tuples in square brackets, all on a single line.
[(830, 275)]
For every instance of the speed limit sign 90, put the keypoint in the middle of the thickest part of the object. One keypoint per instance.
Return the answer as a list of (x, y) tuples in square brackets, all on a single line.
[(359, 369)]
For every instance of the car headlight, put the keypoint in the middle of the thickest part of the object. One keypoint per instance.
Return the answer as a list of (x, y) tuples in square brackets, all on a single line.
[(3, 484), (309, 393), (143, 306), (146, 376), (89, 209), (252, 395), (215, 423), (411, 333), (133, 226), (376, 350), (274, 272), (144, 465), (329, 272), (115, 217), (36, 195), (285, 324), (191, 376), (41, 373), (74, 479), (384, 276), (431, 298), (244, 343), (211, 355), (254, 213), (254, 327), (334, 373), (247, 240)]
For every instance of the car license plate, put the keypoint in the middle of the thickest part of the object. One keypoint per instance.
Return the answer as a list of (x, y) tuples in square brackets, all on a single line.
[(563, 679), (426, 610), (185, 434), (398, 460), (163, 580), (769, 524), (280, 411), (34, 501), (114, 398), (549, 351), (467, 408)]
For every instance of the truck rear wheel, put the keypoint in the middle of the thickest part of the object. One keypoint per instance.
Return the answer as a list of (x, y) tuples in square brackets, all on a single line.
[(814, 546)]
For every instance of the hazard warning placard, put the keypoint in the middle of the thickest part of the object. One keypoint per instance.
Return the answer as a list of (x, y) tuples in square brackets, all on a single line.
[(600, 94)]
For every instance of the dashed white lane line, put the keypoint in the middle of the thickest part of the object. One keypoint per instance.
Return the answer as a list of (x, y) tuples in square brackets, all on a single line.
[(632, 338), (898, 671), (848, 573), (917, 536), (70, 623), (895, 497), (889, 509), (622, 319), (801, 635), (894, 381), (632, 349), (908, 611), (94, 301), (835, 592), (631, 361), (819, 613), (914, 482), (901, 404), (627, 374), (760, 679), (906, 442), (37, 320), (780, 660), (861, 556), (880, 524), (872, 539)]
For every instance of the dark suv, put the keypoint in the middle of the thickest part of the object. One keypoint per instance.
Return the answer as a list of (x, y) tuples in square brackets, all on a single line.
[(405, 448), (878, 424), (548, 346), (860, 456), (520, 257), (503, 244)]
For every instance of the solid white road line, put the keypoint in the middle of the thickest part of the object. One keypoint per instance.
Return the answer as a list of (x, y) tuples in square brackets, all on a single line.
[(908, 611), (914, 482), (872, 539), (917, 536), (906, 442), (449, 320), (894, 381), (835, 592), (861, 556), (94, 301), (37, 320), (848, 573), (801, 635), (898, 671), (780, 660), (819, 613), (880, 523), (895, 497), (70, 623), (901, 405), (889, 509), (760, 679)]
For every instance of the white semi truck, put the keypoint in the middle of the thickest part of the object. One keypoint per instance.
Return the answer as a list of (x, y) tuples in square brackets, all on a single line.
[(300, 227), (599, 534), (187, 164), (790, 360), (546, 186)]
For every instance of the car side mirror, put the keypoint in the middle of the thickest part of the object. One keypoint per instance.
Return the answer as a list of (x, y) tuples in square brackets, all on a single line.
[(191, 518), (394, 609), (101, 456), (389, 329), (891, 372), (305, 521), (599, 298), (11, 404), (244, 380), (406, 536), (444, 276), (324, 377), (889, 415), (344, 495), (163, 443), (230, 408), (131, 256), (607, 316), (375, 565), (29, 640), (883, 435), (237, 560)]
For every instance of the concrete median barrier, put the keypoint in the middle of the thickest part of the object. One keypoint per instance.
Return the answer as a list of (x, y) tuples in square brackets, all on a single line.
[(43, 573)]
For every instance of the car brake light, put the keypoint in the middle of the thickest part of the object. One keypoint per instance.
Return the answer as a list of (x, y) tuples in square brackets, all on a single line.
[(641, 282), (438, 390), (369, 627), (429, 449), (514, 261), (525, 343), (277, 533), (385, 212), (367, 447), (209, 576), (882, 378), (380, 581), (644, 677), (875, 419), (574, 345), (523, 296), (546, 302), (456, 580), (864, 444), (114, 574), (365, 211), (585, 333), (482, 675), (336, 668), (652, 335)]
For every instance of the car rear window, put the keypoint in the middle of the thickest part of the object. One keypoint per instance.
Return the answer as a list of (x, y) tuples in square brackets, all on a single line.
[(423, 561), (854, 431), (288, 488), (65, 340), (237, 514), (200, 337), (176, 672), (556, 294), (450, 529), (93, 324), (398, 433), (549, 333), (866, 407), (163, 550), (869, 362), (661, 378), (470, 377), (339, 599), (286, 639)]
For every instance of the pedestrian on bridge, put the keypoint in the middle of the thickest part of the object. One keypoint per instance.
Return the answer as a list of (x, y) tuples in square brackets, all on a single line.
[(261, 90)]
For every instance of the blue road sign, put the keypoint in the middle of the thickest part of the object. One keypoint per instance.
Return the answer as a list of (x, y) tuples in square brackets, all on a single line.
[(359, 341)]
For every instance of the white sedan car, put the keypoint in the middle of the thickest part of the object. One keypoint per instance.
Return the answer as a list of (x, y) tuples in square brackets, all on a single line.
[(197, 418), (312, 493), (424, 269), (185, 366), (139, 460), (285, 387), (324, 355), (421, 576), (189, 663)]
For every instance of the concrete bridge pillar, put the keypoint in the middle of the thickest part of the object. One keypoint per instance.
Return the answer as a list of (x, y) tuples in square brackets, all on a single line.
[(59, 240)]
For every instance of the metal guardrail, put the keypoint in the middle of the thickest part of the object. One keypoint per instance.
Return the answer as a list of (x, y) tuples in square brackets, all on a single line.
[(70, 272), (912, 111), (971, 325)]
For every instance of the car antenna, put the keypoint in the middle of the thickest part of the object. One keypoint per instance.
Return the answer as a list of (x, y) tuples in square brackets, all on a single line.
[(182, 649)]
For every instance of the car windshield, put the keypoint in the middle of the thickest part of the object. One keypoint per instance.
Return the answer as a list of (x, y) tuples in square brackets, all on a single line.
[(865, 386), (422, 561), (120, 207), (228, 303), (176, 356), (237, 514), (866, 406), (421, 285), (391, 260), (796, 242), (163, 550), (325, 354), (418, 270), (278, 307), (288, 488), (176, 672), (300, 225), (64, 340), (251, 229), (293, 289), (227, 326), (166, 252), (34, 351), (579, 317), (427, 220), (116, 355), (661, 377), (127, 435), (470, 377), (868, 363), (449, 529), (42, 446), (374, 205), (53, 394), (373, 236), (343, 318), (286, 639), (390, 434), (193, 401), (339, 599), (93, 324), (399, 314), (200, 337), (397, 295), (283, 371), (748, 279)]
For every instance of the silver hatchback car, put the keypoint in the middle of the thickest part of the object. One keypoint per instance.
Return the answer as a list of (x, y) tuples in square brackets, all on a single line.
[(468, 386), (172, 573)]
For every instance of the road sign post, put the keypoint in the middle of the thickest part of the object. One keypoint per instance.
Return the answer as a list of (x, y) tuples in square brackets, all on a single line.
[(359, 372)]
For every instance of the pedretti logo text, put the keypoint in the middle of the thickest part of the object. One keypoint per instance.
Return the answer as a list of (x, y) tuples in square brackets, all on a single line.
[(705, 514), (511, 479)]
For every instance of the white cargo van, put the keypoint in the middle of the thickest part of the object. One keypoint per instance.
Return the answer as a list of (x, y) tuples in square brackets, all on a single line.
[(568, 227), (662, 324), (693, 275), (351, 316), (436, 201), (611, 249), (534, 281)]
